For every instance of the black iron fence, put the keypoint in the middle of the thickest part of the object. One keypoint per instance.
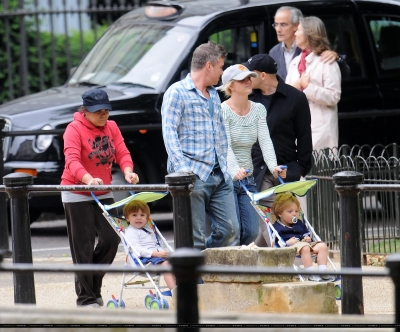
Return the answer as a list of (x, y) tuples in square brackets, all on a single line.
[(44, 39), (378, 209), (187, 263)]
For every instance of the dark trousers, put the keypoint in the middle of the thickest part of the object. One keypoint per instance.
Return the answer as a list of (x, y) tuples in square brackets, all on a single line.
[(84, 219)]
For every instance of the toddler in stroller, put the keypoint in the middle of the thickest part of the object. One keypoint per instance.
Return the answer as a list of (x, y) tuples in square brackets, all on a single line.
[(294, 232), (143, 239)]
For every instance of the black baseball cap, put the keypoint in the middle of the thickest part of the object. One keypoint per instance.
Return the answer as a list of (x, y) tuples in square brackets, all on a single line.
[(263, 63), (95, 100)]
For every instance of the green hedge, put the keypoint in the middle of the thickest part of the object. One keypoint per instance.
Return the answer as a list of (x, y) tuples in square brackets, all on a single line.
[(32, 45)]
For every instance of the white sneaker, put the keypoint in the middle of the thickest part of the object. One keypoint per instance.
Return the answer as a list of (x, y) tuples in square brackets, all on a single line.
[(314, 278), (328, 278)]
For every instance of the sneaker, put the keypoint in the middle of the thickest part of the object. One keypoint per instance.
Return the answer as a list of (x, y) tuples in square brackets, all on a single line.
[(99, 301), (314, 278), (328, 278), (91, 305)]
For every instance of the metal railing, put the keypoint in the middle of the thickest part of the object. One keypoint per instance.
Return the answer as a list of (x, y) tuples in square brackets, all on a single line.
[(36, 33), (378, 209), (186, 263)]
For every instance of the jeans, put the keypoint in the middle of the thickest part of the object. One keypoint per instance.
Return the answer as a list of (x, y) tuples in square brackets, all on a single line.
[(215, 198), (247, 215)]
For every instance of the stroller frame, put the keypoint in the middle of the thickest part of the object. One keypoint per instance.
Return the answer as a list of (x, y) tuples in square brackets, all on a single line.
[(299, 188), (119, 225)]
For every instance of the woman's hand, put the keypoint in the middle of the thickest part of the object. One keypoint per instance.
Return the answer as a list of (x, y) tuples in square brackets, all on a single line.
[(241, 174), (95, 181), (297, 84), (304, 80), (292, 241), (131, 177), (161, 254), (279, 171)]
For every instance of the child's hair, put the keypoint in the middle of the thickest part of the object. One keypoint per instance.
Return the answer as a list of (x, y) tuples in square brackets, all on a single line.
[(134, 206), (282, 201)]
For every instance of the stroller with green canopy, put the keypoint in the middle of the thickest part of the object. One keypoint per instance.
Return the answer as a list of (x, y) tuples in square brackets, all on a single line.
[(155, 299), (271, 236)]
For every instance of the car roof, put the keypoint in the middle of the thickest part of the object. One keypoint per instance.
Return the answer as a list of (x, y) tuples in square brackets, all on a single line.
[(211, 8)]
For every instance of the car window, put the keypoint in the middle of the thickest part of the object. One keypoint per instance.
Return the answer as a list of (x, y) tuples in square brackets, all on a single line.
[(343, 39), (386, 34), (134, 54), (240, 43)]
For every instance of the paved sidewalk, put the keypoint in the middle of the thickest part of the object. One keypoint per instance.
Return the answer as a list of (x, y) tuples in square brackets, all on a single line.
[(56, 290)]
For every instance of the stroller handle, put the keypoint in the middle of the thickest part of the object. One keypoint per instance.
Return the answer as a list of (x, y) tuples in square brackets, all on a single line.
[(279, 177)]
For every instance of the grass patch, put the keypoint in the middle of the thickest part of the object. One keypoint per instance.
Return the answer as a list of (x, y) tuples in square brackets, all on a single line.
[(384, 246)]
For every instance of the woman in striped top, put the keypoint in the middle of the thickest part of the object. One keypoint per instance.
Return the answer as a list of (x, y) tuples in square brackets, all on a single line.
[(245, 123)]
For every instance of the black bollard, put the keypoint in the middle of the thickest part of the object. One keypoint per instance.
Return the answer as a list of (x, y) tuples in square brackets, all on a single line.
[(350, 241), (180, 185), (184, 263), (24, 284), (393, 264), (4, 245)]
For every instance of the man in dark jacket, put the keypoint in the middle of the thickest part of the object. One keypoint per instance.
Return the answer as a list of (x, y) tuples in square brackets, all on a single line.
[(289, 123)]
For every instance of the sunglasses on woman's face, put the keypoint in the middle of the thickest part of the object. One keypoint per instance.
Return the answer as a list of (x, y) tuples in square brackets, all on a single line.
[(248, 78)]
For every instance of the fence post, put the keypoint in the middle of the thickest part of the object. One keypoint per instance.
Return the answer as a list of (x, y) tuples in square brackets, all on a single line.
[(393, 264), (350, 247), (4, 244), (184, 263), (180, 185), (24, 284)]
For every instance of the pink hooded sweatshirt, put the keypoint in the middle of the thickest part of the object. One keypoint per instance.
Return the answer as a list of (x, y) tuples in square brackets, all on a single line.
[(91, 149)]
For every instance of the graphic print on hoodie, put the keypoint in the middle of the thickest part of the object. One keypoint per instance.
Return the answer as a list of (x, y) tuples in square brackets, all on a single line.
[(103, 150)]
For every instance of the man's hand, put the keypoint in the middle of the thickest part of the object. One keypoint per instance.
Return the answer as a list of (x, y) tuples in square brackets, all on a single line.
[(329, 57)]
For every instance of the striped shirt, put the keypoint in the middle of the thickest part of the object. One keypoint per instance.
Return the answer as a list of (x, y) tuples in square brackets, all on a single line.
[(192, 137), (243, 132)]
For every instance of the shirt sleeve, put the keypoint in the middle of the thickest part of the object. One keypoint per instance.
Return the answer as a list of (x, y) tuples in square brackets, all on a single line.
[(233, 165), (329, 93), (72, 152), (264, 140), (171, 112)]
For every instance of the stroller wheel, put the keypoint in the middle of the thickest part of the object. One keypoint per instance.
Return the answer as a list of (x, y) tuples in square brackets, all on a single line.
[(147, 301), (122, 303), (113, 304), (165, 304), (338, 292), (155, 304)]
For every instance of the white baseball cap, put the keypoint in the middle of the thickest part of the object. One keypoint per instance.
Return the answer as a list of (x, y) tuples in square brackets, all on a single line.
[(235, 72)]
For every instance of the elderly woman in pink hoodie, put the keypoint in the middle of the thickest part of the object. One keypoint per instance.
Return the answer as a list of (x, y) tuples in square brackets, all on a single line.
[(320, 82)]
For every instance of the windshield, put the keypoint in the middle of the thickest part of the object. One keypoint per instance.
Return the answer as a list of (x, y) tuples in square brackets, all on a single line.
[(141, 54)]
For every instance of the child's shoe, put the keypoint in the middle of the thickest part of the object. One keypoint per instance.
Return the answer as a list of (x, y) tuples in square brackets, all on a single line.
[(328, 278), (314, 278)]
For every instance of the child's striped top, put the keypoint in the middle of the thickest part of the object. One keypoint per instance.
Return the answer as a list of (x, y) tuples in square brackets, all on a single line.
[(242, 133)]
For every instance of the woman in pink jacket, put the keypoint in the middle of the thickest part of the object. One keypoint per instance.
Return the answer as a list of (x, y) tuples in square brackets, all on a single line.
[(320, 82), (92, 144)]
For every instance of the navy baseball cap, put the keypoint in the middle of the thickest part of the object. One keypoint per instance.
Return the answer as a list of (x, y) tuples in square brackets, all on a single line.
[(263, 63), (95, 100)]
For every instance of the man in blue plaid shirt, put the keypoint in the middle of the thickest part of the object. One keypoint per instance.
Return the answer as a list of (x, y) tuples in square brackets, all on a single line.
[(195, 140)]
